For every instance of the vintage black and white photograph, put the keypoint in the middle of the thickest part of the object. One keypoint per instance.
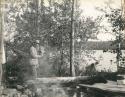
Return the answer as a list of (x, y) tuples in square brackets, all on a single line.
[(62, 48)]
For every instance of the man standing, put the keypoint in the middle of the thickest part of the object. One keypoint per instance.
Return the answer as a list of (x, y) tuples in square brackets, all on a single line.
[(34, 56)]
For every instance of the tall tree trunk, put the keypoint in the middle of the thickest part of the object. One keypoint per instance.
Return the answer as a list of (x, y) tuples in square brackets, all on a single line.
[(2, 52), (72, 69), (123, 8)]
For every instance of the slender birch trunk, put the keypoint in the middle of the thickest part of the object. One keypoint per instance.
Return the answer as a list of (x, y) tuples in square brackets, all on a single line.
[(72, 68), (2, 51)]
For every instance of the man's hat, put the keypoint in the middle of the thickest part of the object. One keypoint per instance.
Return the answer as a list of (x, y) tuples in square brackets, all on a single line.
[(36, 41)]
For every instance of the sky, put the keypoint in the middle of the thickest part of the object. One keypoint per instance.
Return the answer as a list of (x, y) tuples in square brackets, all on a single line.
[(89, 9), (88, 6)]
